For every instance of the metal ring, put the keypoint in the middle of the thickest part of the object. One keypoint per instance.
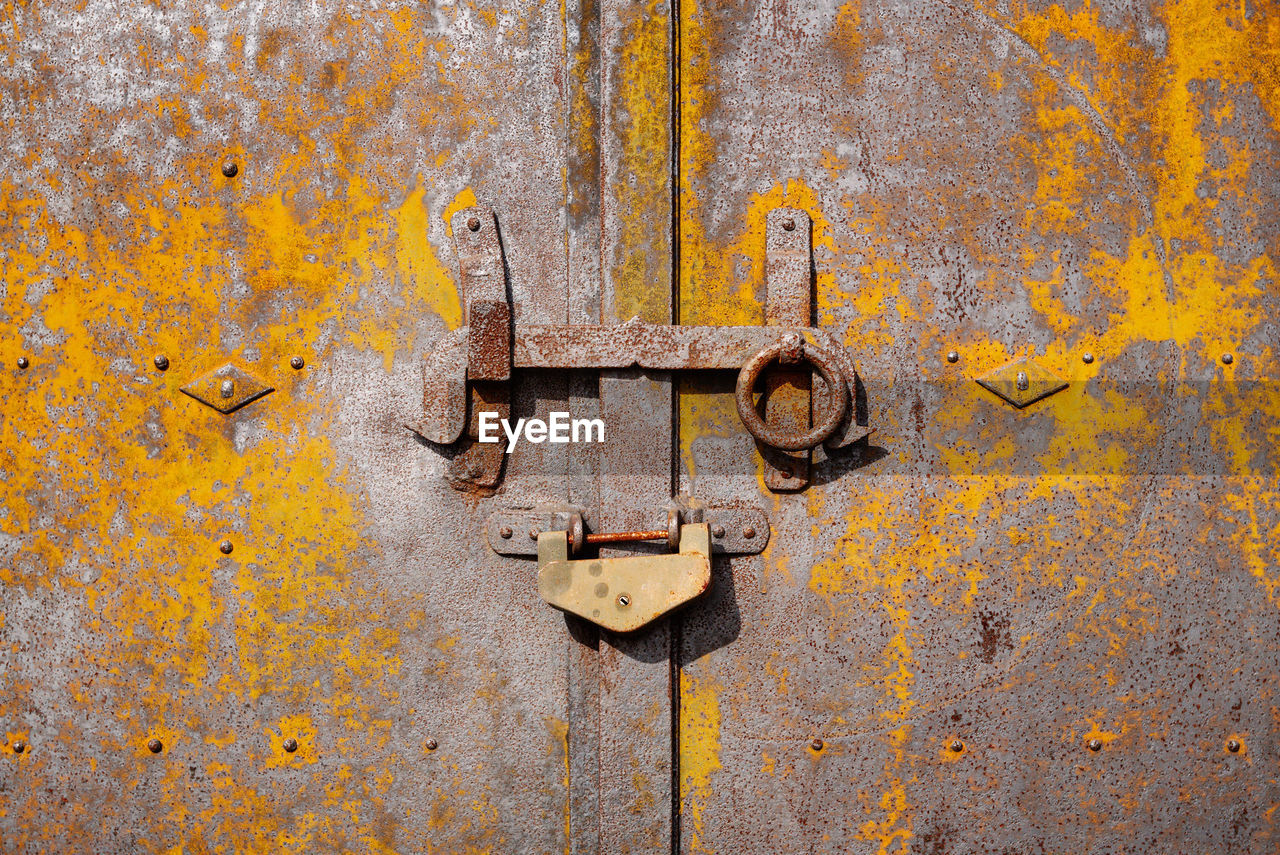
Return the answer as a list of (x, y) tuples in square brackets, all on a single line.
[(826, 366)]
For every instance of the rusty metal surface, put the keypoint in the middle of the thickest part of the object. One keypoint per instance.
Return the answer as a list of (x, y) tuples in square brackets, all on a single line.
[(1092, 186)]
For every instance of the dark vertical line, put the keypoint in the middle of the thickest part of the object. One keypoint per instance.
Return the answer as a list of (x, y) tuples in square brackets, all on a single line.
[(676, 623)]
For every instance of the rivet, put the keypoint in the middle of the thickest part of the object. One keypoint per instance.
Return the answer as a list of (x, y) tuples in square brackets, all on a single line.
[(19, 747), (1233, 746), (230, 169), (816, 744), (1227, 359), (624, 600), (505, 532), (228, 388), (748, 532), (23, 362), (291, 745), (225, 547), (1087, 358), (953, 356), (718, 531), (297, 362), (957, 746), (533, 534), (1022, 382), (154, 745), (1095, 744), (432, 745), (789, 224), (161, 361), (474, 224)]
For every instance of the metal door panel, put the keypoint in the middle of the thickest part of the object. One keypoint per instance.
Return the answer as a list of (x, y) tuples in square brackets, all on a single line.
[(1011, 584), (360, 610)]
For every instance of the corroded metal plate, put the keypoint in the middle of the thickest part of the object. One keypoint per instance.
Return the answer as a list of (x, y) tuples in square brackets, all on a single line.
[(1022, 382), (227, 388)]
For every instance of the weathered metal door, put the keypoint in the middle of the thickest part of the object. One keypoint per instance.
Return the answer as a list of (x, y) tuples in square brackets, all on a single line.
[(263, 267)]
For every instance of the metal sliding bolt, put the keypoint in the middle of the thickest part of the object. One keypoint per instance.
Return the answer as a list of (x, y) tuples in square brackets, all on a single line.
[(625, 536), (161, 362), (154, 745), (291, 745), (225, 547)]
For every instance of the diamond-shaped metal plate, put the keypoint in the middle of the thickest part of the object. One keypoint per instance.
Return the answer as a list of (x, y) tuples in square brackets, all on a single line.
[(227, 388), (1022, 382)]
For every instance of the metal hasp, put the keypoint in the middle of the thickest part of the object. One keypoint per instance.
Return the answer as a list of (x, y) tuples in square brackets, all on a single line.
[(803, 406), (624, 594)]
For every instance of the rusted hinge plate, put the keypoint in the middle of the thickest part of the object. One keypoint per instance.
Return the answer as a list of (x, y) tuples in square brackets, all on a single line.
[(734, 530)]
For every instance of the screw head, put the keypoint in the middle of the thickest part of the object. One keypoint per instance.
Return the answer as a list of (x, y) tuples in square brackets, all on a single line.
[(19, 747), (1095, 744), (474, 224), (748, 532), (957, 746), (505, 532), (1087, 359), (1233, 746), (23, 362), (225, 547), (291, 745), (624, 600), (154, 745), (432, 745), (229, 168), (718, 531), (1227, 359), (817, 744), (297, 362), (789, 225)]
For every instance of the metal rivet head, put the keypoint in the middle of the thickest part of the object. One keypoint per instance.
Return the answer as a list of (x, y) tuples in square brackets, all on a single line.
[(505, 532), (1095, 744), (154, 745), (230, 169), (953, 356), (1233, 746), (718, 531), (161, 361), (297, 362), (624, 600), (1087, 359), (789, 224), (19, 747), (228, 388), (432, 745), (817, 744), (225, 547), (291, 745), (1022, 381), (533, 534), (474, 224), (748, 532), (1227, 359), (957, 746), (23, 362)]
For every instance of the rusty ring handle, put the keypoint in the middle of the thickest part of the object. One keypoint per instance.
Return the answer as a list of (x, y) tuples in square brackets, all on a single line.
[(819, 359)]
